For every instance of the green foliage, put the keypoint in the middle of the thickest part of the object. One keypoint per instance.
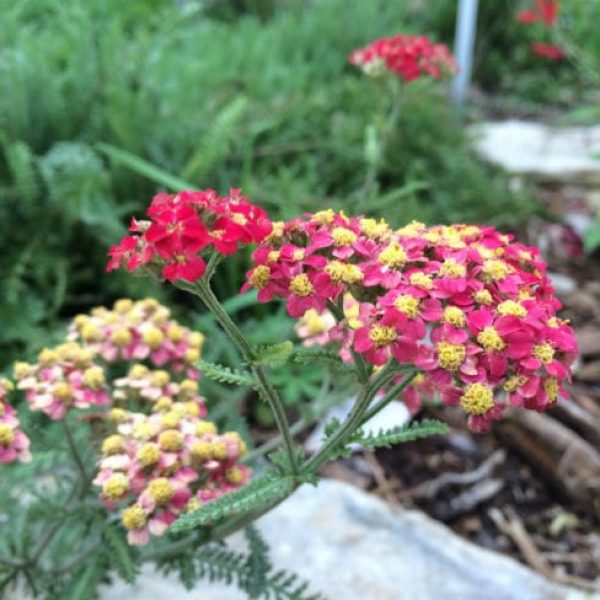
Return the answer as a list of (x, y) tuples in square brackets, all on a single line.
[(217, 563), (384, 438), (226, 375), (273, 354), (122, 555), (310, 356), (258, 563), (260, 494)]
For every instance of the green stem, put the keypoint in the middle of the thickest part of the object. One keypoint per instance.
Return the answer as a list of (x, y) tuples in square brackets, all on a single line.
[(268, 392), (392, 393), (77, 458)]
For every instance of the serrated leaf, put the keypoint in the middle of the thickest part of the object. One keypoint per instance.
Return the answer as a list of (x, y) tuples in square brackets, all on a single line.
[(258, 494), (398, 435), (320, 355), (258, 563), (226, 375), (273, 354), (121, 555)]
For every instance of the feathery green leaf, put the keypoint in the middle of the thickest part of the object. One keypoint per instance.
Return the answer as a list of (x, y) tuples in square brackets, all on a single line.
[(226, 375)]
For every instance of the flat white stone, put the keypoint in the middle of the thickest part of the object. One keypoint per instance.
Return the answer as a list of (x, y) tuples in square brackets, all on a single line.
[(352, 546), (567, 154)]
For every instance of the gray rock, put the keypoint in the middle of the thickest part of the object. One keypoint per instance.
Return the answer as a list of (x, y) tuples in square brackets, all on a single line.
[(568, 154), (353, 546)]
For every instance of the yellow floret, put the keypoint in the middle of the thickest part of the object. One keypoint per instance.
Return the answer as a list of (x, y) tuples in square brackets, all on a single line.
[(450, 356), (113, 444), (175, 332), (90, 332), (335, 269), (342, 236), (382, 335), (477, 398), (219, 450), (495, 270), (6, 435), (153, 337), (148, 454), (93, 377), (22, 369), (235, 475), (300, 285), (116, 486), (123, 305), (160, 378), (205, 428), (117, 415), (63, 391), (544, 352), (454, 316), (134, 517), (490, 339), (201, 451), (483, 297), (47, 357), (453, 269), (121, 337), (407, 304), (421, 280), (394, 256), (163, 404), (510, 307), (196, 340), (192, 355), (352, 274), (374, 229), (260, 276), (138, 372), (161, 490), (188, 388), (170, 420), (143, 431), (551, 388), (170, 440), (324, 217)]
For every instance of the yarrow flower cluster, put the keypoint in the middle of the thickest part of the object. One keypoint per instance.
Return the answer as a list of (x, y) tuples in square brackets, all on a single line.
[(14, 444), (142, 330), (472, 309), (64, 377), (157, 465), (546, 14), (408, 56), (182, 226)]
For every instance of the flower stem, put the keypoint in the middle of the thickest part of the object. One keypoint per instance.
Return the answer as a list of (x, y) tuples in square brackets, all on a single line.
[(267, 391), (77, 458)]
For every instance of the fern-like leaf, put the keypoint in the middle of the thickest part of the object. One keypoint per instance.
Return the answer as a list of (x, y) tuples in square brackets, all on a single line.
[(226, 375), (259, 494), (273, 354), (258, 563), (320, 355), (121, 555), (399, 435)]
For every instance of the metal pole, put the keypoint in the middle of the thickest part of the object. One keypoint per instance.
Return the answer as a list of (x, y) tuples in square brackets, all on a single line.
[(464, 41)]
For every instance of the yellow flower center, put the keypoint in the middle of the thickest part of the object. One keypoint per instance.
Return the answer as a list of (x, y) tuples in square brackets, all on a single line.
[(170, 420), (175, 332), (407, 304), (205, 428), (239, 218), (490, 339), (483, 297), (188, 388), (544, 352), (273, 256), (335, 269), (201, 451), (6, 435), (551, 388), (342, 236), (374, 229), (477, 398), (234, 475), (452, 269), (298, 254), (393, 256), (382, 335), (300, 285), (510, 307), (353, 274), (93, 377), (153, 337), (138, 372), (450, 356), (148, 454), (170, 440), (143, 431), (22, 370), (421, 280), (116, 486), (161, 377), (512, 383), (134, 517), (553, 322), (113, 444), (117, 415), (324, 217), (161, 490), (121, 337), (63, 391), (163, 404), (219, 450), (314, 322), (123, 305), (47, 357), (454, 316), (196, 339), (192, 355), (260, 277), (495, 270)]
